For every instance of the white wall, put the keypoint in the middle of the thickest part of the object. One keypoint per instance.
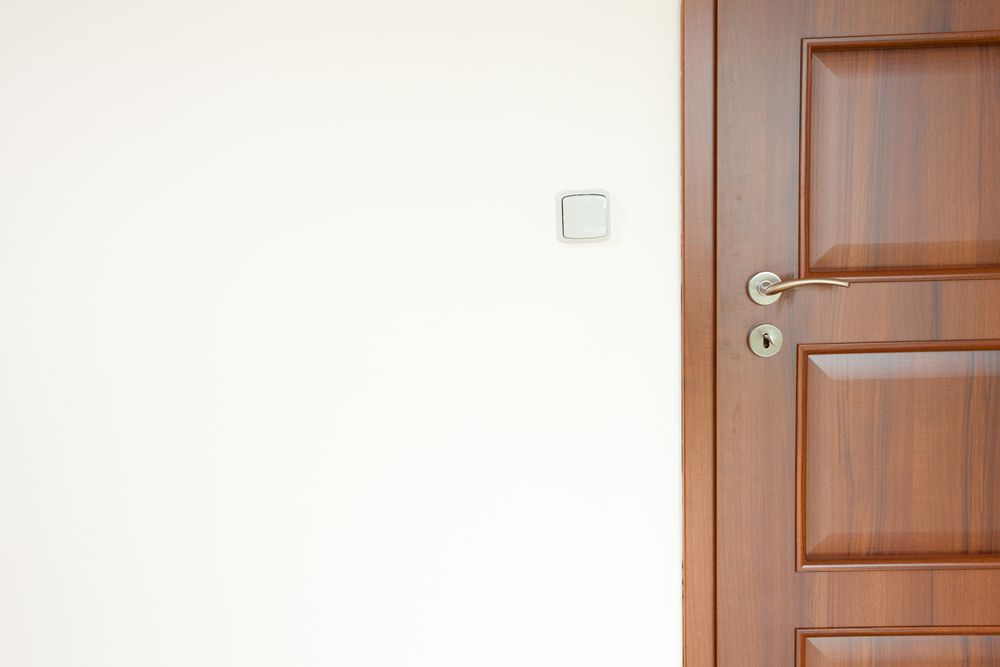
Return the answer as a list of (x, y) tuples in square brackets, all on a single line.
[(292, 368)]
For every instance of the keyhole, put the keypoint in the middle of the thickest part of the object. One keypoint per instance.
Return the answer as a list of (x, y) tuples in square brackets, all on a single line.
[(764, 340)]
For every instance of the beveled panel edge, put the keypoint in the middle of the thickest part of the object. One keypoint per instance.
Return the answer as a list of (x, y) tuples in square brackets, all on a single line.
[(804, 564), (986, 562), (899, 275), (802, 635), (811, 45)]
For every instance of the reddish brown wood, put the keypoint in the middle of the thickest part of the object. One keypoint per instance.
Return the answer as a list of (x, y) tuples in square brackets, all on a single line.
[(921, 204), (762, 599), (898, 456), (698, 331), (977, 646)]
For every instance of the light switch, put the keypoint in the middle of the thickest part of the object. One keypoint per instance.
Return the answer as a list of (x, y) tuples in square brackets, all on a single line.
[(585, 215)]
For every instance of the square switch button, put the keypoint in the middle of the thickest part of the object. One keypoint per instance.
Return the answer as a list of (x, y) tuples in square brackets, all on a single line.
[(584, 215)]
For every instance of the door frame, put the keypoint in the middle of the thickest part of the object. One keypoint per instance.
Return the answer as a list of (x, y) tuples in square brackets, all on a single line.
[(698, 328)]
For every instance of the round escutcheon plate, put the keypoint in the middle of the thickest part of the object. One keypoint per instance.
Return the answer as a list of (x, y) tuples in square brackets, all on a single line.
[(765, 340)]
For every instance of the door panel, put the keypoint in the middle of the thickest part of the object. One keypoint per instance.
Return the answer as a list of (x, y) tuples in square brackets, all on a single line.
[(902, 155), (929, 647), (857, 481), (898, 463)]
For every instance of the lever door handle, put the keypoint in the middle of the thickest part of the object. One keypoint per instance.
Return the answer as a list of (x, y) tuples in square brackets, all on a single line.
[(766, 287)]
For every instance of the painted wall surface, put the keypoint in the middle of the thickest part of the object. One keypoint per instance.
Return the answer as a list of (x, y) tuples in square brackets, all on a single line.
[(293, 370)]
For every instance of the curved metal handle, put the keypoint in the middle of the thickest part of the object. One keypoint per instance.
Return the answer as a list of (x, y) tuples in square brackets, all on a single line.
[(766, 287), (778, 288)]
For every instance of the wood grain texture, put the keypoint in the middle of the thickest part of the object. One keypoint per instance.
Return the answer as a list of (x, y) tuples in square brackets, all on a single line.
[(875, 647), (899, 455), (698, 331), (901, 156), (761, 596)]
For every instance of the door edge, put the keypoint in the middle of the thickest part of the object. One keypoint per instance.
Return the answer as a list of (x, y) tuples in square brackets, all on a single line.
[(698, 328)]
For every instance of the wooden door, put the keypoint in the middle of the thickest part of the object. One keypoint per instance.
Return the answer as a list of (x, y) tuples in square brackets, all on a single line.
[(857, 471)]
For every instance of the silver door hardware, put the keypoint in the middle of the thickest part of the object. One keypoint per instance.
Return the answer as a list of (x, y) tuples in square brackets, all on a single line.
[(765, 340), (766, 287)]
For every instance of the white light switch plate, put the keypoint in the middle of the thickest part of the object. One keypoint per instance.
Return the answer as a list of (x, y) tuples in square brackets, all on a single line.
[(584, 215)]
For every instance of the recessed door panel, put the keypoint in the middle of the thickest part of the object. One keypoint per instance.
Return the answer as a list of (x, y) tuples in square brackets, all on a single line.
[(911, 647), (902, 157), (899, 455)]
